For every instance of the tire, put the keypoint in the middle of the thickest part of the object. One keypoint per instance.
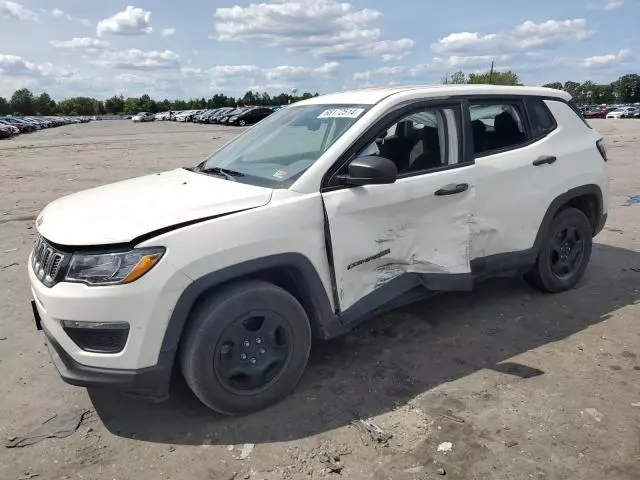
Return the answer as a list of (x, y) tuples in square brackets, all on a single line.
[(214, 356), (242, 123), (558, 269)]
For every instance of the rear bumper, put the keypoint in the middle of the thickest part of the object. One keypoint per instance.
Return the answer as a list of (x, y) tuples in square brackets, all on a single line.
[(150, 382)]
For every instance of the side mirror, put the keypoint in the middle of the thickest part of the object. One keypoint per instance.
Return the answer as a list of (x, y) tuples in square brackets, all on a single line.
[(370, 170)]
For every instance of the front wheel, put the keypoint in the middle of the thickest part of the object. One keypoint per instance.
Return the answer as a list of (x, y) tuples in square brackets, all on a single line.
[(242, 123), (565, 254), (246, 347)]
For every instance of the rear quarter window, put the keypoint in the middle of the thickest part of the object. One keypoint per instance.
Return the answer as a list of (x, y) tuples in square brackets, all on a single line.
[(574, 107), (541, 120)]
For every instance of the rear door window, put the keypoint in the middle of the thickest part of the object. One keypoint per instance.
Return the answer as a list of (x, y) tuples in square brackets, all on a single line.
[(497, 126)]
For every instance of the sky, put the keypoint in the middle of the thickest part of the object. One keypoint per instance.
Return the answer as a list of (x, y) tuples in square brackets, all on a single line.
[(195, 48)]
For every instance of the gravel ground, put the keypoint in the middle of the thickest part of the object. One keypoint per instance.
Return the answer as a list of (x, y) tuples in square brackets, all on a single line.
[(500, 383)]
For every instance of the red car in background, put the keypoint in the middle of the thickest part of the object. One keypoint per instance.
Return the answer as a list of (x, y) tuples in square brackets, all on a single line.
[(598, 112)]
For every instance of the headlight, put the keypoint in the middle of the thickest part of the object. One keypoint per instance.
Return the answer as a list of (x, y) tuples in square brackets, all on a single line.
[(112, 268)]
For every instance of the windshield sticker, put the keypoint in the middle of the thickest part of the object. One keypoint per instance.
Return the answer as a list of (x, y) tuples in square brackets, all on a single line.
[(342, 113), (280, 174)]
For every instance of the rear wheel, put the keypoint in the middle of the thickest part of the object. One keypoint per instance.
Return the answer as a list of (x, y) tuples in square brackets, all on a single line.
[(246, 347), (242, 123), (565, 254)]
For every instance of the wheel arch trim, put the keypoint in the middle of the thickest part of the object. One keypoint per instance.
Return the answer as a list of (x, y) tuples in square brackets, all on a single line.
[(316, 302), (564, 199)]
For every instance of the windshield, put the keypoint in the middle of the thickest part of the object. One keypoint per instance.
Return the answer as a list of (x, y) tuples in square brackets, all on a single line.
[(280, 148)]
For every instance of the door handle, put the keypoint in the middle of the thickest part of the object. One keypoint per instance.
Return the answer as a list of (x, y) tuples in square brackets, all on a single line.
[(545, 159), (452, 189)]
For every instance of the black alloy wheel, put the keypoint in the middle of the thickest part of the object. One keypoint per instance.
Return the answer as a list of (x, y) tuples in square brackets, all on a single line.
[(245, 347), (564, 255)]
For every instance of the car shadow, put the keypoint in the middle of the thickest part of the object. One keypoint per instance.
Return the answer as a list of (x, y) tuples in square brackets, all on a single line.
[(391, 359)]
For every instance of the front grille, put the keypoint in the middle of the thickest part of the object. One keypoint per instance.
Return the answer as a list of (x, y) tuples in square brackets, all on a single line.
[(47, 262)]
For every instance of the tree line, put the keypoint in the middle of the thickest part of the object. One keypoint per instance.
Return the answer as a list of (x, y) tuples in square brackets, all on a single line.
[(626, 89), (24, 102)]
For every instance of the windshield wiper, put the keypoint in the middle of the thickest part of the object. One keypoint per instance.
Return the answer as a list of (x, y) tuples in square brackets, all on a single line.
[(225, 172)]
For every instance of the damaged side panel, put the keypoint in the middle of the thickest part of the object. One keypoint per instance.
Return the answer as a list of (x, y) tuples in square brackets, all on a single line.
[(380, 232)]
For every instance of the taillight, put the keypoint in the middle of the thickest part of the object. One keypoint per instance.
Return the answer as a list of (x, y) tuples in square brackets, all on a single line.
[(602, 148)]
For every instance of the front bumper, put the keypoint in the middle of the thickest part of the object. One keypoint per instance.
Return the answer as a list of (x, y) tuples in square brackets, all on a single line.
[(145, 305), (151, 382)]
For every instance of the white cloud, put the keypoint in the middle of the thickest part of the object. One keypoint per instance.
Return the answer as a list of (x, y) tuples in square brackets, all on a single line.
[(271, 87), (15, 11), (16, 66), (551, 32), (56, 12), (167, 32), (467, 41), (398, 73), (605, 60), (288, 72), (233, 70), (81, 43), (525, 36), (473, 61), (606, 5), (138, 59), (131, 21), (330, 29)]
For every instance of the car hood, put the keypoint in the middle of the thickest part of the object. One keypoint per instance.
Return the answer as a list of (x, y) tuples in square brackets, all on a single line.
[(123, 211)]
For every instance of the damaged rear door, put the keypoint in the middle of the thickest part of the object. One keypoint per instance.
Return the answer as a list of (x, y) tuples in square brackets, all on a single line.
[(418, 226)]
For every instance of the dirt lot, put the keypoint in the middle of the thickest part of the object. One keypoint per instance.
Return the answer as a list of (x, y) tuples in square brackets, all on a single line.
[(523, 385)]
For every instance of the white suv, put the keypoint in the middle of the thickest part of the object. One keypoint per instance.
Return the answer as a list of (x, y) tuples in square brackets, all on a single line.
[(305, 225)]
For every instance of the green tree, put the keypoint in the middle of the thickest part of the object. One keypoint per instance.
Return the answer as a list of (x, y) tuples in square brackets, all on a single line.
[(572, 88), (556, 85), (145, 103), (180, 105), (132, 106), (603, 94), (23, 103), (494, 78), (456, 78), (628, 88), (114, 105), (45, 104), (85, 106), (4, 106), (163, 105)]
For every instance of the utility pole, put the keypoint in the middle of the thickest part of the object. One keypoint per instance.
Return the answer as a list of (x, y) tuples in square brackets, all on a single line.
[(491, 74)]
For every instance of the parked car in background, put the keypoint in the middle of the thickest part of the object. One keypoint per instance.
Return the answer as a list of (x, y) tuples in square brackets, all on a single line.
[(24, 127), (622, 112), (163, 116), (595, 113), (199, 118), (250, 116), (225, 118), (187, 116), (7, 131), (143, 117), (13, 129), (218, 114)]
